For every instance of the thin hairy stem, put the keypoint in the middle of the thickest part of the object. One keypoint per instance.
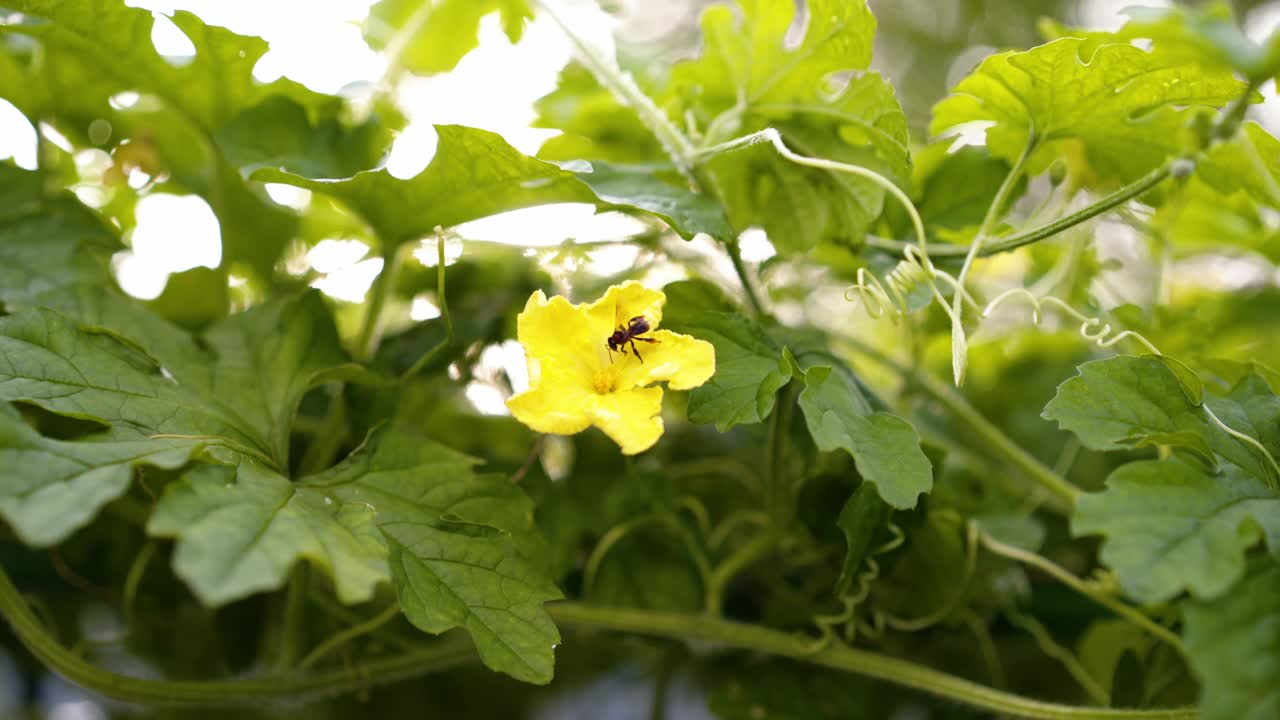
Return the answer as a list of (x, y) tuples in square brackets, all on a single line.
[(735, 256), (350, 634), (959, 344), (1057, 572), (1048, 230)]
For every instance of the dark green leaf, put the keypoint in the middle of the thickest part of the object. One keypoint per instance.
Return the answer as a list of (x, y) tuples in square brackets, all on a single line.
[(885, 448), (861, 517)]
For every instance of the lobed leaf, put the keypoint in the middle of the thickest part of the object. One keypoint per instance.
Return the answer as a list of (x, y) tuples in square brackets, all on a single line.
[(1127, 401), (1113, 110), (817, 93), (464, 551), (1171, 527), (475, 173)]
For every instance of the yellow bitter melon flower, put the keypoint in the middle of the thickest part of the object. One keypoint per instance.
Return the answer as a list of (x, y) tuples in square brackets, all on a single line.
[(576, 381)]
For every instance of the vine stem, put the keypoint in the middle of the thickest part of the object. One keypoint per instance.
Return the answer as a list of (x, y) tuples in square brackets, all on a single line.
[(959, 344), (1048, 230), (383, 288), (284, 687), (456, 650), (349, 634), (1058, 573), (1062, 494), (624, 88), (735, 255), (727, 633)]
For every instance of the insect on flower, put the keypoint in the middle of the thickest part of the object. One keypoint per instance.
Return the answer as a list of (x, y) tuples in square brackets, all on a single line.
[(575, 380), (630, 333)]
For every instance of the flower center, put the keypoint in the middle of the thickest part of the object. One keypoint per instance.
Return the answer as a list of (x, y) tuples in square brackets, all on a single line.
[(605, 380)]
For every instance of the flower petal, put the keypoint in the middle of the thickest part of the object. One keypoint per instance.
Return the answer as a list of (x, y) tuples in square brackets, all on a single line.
[(558, 333), (623, 302), (557, 403), (682, 361), (631, 417)]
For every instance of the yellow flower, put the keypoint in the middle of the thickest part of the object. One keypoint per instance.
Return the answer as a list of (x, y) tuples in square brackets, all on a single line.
[(576, 381)]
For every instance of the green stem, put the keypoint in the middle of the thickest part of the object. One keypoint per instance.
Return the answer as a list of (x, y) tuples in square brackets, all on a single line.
[(606, 71), (742, 558), (739, 267), (779, 502), (959, 344), (440, 286), (294, 623), (384, 287), (726, 633), (292, 687), (1104, 599), (1062, 493), (327, 442), (350, 634), (1048, 230)]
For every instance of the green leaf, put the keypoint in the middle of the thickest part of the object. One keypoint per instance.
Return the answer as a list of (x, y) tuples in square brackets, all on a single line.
[(956, 188), (750, 75), (1234, 642), (431, 36), (464, 551), (241, 527), (1171, 527), (194, 298), (648, 569), (1231, 166), (862, 515), (660, 192), (1115, 111), (594, 123), (158, 409), (243, 391), (749, 370), (1126, 401), (48, 243), (885, 448), (281, 132), (50, 488), (1207, 34), (475, 173)]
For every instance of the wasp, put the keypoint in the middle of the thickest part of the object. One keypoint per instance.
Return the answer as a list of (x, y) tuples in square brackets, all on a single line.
[(629, 333)]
